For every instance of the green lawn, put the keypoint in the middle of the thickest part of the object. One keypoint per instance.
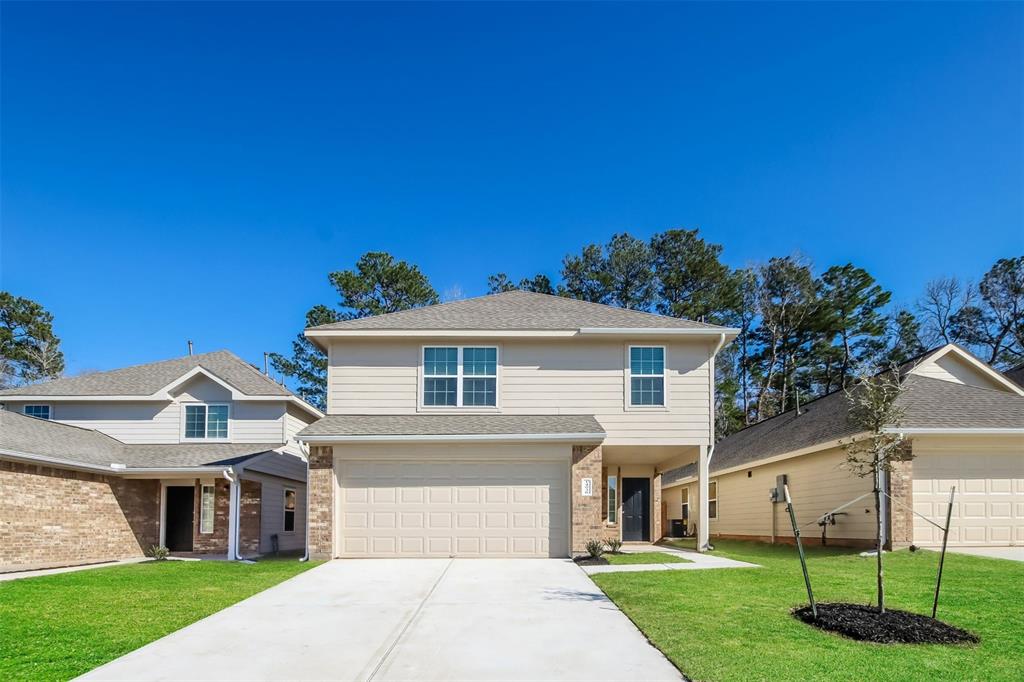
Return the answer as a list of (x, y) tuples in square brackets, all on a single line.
[(734, 624), (59, 626), (643, 558)]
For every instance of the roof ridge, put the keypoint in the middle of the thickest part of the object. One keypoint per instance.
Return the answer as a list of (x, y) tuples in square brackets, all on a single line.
[(608, 305), (245, 363), (399, 312)]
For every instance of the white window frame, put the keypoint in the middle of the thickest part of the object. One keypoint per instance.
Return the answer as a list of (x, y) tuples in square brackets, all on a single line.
[(204, 439), (202, 507), (713, 482), (613, 504), (421, 407), (284, 509), (628, 383), (684, 494), (49, 410)]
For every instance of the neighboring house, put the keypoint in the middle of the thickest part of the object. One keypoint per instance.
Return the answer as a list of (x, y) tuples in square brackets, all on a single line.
[(1016, 375), (198, 454), (965, 424), (515, 424)]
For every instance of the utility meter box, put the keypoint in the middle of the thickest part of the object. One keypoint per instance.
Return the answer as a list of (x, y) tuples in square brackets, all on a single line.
[(777, 493)]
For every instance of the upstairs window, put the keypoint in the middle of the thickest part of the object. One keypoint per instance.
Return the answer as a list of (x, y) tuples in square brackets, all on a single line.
[(457, 376), (647, 376), (38, 411), (206, 422)]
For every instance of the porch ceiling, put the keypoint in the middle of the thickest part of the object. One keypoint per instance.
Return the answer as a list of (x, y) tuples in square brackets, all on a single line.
[(663, 457)]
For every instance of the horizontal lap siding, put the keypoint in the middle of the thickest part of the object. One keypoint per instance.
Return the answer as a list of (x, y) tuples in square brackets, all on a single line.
[(566, 377), (272, 514), (257, 422), (128, 422)]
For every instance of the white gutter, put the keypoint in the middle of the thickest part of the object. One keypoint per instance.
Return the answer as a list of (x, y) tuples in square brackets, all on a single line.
[(662, 331), (480, 437), (67, 464), (305, 557), (952, 431), (233, 513)]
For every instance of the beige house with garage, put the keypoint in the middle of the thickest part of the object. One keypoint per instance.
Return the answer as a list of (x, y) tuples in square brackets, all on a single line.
[(198, 454), (516, 424), (965, 425)]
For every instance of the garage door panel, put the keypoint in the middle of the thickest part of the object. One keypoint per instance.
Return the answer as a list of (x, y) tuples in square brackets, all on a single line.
[(439, 508), (989, 503)]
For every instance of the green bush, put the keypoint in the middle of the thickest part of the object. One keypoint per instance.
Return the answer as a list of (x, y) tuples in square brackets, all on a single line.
[(158, 552), (614, 545), (595, 548)]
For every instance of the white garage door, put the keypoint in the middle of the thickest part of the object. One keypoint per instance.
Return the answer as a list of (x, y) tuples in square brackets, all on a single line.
[(989, 505), (445, 508)]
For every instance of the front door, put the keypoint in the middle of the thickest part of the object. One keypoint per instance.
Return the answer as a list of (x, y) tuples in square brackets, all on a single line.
[(636, 504), (180, 510)]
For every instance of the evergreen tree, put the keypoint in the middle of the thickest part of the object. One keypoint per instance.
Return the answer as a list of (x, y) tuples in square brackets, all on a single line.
[(29, 350)]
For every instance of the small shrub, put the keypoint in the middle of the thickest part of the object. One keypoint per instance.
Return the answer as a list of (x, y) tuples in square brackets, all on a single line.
[(158, 552), (614, 545), (595, 548)]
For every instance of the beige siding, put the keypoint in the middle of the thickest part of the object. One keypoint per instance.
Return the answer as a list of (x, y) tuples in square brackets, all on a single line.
[(550, 377), (294, 421), (128, 422), (951, 367), (272, 513), (257, 422), (282, 465), (818, 483)]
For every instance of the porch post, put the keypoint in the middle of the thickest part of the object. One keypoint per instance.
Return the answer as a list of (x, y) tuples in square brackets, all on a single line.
[(702, 500), (233, 505)]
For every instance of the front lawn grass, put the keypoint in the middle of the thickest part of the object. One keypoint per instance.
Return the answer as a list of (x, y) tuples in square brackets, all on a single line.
[(643, 558), (735, 624), (59, 626)]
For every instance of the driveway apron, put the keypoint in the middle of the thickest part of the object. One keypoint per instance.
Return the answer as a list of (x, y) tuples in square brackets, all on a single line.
[(411, 619)]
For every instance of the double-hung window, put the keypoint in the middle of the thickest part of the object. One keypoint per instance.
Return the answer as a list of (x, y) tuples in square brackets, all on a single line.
[(460, 376), (646, 376), (38, 411), (206, 422)]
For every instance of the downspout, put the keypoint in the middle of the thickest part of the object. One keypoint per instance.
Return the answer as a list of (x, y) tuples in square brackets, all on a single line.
[(234, 503), (305, 557), (711, 429)]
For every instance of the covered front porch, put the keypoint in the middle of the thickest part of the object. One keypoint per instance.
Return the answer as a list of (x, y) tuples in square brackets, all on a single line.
[(627, 501)]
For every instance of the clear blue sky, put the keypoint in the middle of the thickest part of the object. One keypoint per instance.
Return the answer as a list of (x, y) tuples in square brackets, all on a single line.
[(175, 171)]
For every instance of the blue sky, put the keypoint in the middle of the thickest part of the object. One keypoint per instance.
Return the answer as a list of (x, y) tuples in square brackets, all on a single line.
[(176, 171)]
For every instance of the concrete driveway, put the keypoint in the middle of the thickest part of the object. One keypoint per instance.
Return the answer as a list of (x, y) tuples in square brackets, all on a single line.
[(426, 619), (1011, 553)]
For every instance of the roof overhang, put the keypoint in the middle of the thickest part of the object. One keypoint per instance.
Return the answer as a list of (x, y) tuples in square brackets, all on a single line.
[(969, 358), (581, 438), (113, 469), (943, 430)]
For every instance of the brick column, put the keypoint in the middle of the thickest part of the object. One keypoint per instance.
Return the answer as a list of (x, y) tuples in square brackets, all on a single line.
[(658, 527), (320, 488), (901, 488), (586, 511), (249, 518)]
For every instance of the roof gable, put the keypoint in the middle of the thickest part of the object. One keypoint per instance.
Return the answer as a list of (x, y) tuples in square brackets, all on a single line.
[(954, 364), (517, 310)]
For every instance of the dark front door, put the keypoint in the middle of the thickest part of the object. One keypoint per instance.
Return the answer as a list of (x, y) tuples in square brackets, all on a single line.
[(636, 504), (180, 510)]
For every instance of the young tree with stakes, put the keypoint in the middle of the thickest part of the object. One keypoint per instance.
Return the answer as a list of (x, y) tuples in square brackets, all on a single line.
[(874, 408)]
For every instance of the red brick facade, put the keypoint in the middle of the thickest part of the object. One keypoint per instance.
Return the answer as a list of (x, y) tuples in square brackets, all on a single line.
[(59, 517), (320, 489)]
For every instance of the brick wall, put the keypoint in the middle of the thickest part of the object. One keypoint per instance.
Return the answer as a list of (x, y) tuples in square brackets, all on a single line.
[(587, 523), (901, 488), (249, 518), (58, 517), (320, 489)]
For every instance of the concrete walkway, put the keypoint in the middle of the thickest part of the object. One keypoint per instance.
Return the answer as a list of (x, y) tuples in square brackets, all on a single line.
[(696, 561), (409, 619), (1010, 553), (18, 575)]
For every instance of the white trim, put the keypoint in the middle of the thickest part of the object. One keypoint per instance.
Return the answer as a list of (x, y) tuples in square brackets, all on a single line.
[(582, 438), (713, 481), (60, 463), (164, 485), (192, 373), (628, 383), (284, 508), (953, 431), (206, 421), (609, 507), (459, 381)]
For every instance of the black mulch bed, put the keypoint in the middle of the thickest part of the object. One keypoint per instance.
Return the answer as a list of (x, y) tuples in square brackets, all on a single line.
[(865, 623), (586, 560)]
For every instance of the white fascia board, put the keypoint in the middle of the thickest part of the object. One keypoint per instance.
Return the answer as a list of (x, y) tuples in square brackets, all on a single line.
[(439, 333), (55, 461), (128, 471), (192, 373), (659, 331), (86, 398), (442, 438), (953, 431), (974, 362)]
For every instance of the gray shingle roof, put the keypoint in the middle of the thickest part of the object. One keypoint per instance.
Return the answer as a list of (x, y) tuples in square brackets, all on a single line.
[(927, 403), (450, 425), (516, 310), (74, 445), (147, 379), (1016, 375)]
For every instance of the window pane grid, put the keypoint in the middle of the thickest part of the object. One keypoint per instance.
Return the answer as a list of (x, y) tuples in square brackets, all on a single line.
[(38, 411), (441, 361), (439, 392), (648, 360), (217, 421), (195, 421), (480, 361), (460, 376), (647, 391), (477, 392)]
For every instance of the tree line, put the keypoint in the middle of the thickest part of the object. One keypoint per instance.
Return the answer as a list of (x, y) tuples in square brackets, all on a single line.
[(802, 334)]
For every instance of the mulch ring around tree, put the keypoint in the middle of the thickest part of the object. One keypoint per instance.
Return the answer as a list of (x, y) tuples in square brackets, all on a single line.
[(866, 624), (586, 560)]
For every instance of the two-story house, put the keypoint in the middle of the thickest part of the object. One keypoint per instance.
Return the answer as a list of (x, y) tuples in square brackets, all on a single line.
[(515, 424), (197, 454)]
